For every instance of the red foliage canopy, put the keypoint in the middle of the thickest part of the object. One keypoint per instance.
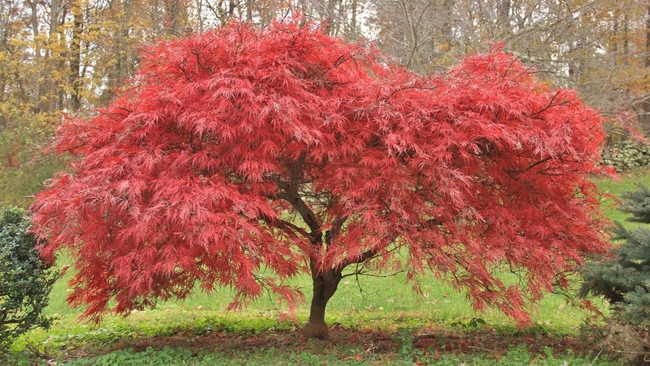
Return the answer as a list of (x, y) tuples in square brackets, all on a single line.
[(288, 149)]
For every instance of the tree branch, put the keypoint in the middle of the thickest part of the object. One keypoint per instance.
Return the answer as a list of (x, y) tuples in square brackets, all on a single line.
[(510, 172), (303, 209), (288, 191), (550, 104), (411, 87), (286, 226), (364, 257), (336, 228)]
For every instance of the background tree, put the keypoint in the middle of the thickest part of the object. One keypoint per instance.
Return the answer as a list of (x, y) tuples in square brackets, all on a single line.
[(288, 149), (28, 100), (595, 47), (60, 57)]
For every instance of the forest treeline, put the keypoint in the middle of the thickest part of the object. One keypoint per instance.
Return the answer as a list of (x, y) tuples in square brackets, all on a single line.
[(69, 57)]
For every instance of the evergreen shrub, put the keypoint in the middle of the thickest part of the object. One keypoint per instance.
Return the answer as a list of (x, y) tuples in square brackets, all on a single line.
[(25, 279)]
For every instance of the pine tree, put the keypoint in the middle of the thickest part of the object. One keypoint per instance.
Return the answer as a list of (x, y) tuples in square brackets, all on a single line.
[(623, 277)]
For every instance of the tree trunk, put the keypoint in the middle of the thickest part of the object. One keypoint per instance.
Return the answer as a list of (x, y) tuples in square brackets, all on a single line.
[(644, 119), (332, 23), (37, 56), (325, 285), (75, 57)]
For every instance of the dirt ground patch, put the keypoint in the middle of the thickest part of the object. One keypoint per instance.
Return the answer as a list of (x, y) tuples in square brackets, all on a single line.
[(359, 343)]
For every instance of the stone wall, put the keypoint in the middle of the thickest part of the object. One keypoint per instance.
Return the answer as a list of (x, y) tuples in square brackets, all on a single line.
[(628, 155)]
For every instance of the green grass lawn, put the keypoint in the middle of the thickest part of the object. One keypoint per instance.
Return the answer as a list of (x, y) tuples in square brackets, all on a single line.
[(612, 187), (364, 305), (366, 300)]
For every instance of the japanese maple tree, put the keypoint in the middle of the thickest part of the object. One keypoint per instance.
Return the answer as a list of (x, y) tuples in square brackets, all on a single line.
[(287, 151)]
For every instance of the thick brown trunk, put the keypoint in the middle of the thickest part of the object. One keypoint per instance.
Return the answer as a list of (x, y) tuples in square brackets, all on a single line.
[(325, 285)]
